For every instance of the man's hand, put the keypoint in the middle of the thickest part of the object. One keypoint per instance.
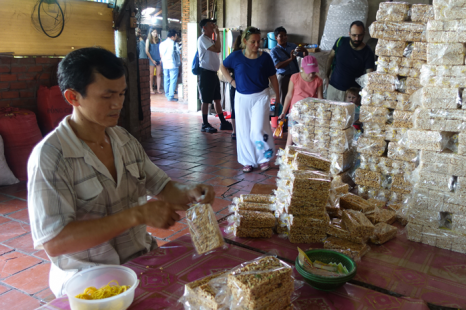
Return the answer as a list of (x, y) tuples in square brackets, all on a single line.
[(159, 214), (233, 83), (216, 29), (292, 55), (201, 193), (300, 49), (282, 116)]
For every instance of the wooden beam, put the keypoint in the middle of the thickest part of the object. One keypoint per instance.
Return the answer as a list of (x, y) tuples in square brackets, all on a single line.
[(118, 12)]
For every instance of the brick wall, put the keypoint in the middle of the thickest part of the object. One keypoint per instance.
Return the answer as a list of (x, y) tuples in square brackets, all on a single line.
[(144, 90), (185, 62), (21, 77)]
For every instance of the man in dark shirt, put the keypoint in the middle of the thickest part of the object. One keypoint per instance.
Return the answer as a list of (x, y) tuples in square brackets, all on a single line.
[(284, 59), (353, 58)]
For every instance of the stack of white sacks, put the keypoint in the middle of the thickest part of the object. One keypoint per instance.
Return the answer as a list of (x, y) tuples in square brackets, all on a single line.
[(386, 109), (436, 210)]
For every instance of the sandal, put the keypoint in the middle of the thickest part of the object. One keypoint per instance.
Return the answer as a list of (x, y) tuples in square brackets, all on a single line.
[(247, 168), (233, 136), (264, 166)]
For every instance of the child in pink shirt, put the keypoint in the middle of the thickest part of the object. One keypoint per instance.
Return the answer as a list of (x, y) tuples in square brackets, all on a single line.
[(302, 85)]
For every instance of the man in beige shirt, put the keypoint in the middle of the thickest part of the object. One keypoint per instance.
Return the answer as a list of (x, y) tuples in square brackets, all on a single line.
[(89, 179)]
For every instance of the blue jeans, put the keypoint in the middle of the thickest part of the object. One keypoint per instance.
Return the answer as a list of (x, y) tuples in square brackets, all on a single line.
[(170, 77)]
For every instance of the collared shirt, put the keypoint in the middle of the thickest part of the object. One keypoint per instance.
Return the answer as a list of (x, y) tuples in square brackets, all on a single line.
[(207, 59), (170, 54), (67, 182), (280, 53)]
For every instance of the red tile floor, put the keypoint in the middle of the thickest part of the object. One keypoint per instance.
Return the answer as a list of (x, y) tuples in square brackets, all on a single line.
[(178, 147)]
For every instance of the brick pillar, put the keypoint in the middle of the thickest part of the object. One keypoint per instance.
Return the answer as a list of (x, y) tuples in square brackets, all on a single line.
[(144, 89), (185, 62)]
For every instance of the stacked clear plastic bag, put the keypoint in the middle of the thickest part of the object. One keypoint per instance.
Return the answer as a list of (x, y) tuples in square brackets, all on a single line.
[(438, 98), (428, 140), (371, 146), (448, 9), (392, 49), (446, 31), (440, 120), (376, 81), (341, 14), (443, 76), (258, 284), (449, 54)]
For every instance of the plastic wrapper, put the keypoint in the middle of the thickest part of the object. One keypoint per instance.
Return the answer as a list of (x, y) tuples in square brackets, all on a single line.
[(341, 162), (405, 103), (357, 223), (419, 51), (253, 219), (376, 202), (379, 99), (376, 81), (341, 14), (399, 152), (357, 203), (204, 229), (313, 161), (368, 178), (392, 49), (367, 162), (307, 238), (393, 11), (439, 98), (402, 119), (443, 76), (206, 293), (427, 140), (445, 53), (440, 120), (252, 206), (259, 198), (374, 115), (250, 232), (395, 134), (448, 31), (422, 13), (265, 283), (434, 181), (352, 249), (374, 130), (389, 65), (303, 183), (336, 230), (383, 232), (278, 133), (371, 146), (399, 31), (448, 9)]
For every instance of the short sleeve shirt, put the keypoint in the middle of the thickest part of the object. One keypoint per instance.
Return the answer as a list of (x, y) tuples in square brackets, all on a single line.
[(303, 89), (251, 75), (280, 53), (350, 64), (67, 182), (169, 54), (207, 59)]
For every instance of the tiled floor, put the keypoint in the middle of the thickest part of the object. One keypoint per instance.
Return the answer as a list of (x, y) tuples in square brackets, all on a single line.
[(177, 146)]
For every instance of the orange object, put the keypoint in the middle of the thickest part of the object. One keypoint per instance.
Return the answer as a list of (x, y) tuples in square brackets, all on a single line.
[(51, 108), (279, 130)]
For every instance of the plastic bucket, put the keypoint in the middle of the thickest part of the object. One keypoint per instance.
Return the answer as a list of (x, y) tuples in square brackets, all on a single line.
[(271, 40)]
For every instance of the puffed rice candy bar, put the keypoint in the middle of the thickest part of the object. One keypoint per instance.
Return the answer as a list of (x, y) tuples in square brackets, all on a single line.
[(368, 178), (371, 146), (201, 294), (355, 250), (204, 229), (256, 219), (338, 231), (259, 198), (383, 232), (259, 277), (254, 206), (445, 53), (354, 202), (390, 49), (357, 223), (251, 232), (393, 11), (313, 160)]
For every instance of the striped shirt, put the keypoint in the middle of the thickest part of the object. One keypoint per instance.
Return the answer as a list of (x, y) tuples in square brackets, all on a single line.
[(67, 182)]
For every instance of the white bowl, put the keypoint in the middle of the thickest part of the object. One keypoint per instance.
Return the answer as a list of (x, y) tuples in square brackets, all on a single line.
[(98, 277)]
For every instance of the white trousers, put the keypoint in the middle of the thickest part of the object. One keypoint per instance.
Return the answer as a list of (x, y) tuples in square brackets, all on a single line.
[(254, 137)]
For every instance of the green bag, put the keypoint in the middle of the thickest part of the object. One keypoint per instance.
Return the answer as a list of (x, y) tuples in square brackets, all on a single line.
[(335, 58)]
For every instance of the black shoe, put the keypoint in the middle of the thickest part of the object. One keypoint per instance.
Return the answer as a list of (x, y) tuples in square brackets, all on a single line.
[(233, 136), (208, 128), (226, 126), (173, 99)]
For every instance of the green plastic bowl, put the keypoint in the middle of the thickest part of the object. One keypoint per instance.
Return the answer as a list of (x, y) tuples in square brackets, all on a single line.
[(327, 256)]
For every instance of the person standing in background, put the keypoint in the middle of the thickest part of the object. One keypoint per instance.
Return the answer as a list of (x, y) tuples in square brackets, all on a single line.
[(170, 55), (141, 44), (305, 84), (153, 53), (209, 84), (349, 59), (253, 72), (284, 58)]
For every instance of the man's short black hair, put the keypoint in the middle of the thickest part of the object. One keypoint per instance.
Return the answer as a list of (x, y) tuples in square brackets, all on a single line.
[(77, 70), (278, 30), (171, 33), (357, 23)]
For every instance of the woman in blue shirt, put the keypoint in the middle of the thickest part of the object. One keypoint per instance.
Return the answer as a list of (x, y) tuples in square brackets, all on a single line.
[(253, 71), (152, 51)]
